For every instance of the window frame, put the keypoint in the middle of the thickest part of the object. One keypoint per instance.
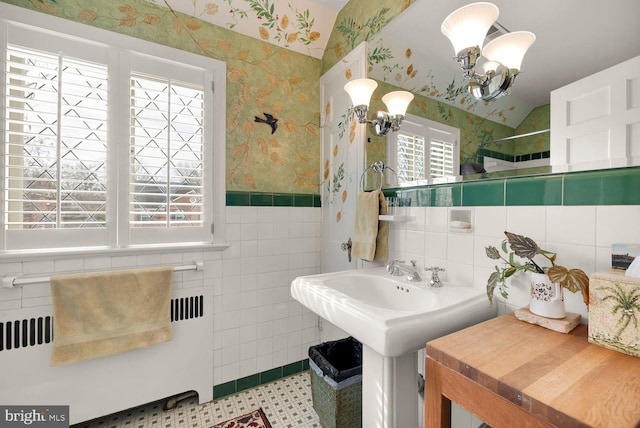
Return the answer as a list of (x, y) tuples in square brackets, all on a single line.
[(430, 130), (123, 50)]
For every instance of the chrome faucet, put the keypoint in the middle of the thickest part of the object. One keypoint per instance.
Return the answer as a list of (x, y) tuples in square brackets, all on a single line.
[(435, 279), (397, 267)]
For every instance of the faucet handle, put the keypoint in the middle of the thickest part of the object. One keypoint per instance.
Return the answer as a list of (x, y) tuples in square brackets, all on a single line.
[(435, 279), (414, 264)]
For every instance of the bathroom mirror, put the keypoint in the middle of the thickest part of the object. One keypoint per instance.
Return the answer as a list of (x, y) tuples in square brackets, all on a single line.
[(411, 53)]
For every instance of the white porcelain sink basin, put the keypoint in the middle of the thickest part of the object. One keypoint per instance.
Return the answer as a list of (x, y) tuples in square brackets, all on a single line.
[(389, 314)]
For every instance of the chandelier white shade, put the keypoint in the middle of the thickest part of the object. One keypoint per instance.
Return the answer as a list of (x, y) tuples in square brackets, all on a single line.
[(509, 49), (360, 91), (468, 25), (397, 102), (466, 28)]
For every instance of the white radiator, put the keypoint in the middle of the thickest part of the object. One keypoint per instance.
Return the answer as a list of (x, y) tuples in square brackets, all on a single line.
[(98, 387)]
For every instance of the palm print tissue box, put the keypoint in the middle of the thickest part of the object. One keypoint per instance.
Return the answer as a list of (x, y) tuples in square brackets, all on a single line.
[(614, 311)]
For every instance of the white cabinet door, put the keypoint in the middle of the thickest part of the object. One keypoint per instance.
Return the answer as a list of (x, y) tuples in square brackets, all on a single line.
[(595, 121)]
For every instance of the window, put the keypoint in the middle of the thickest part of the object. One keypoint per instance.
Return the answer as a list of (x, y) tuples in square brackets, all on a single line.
[(107, 146), (167, 156), (423, 150), (56, 141)]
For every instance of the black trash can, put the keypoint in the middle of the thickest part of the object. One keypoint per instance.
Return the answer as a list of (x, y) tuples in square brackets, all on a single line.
[(336, 383)]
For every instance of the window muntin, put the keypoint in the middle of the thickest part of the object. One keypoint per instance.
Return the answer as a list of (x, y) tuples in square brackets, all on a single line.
[(56, 141), (167, 153)]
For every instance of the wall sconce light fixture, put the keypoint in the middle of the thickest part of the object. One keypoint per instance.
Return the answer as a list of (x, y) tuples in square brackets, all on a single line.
[(467, 28), (360, 91)]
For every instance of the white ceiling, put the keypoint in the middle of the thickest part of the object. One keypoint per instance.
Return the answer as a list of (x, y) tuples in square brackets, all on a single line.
[(574, 38)]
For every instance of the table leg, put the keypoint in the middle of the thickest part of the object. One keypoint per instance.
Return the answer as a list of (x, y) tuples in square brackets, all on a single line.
[(437, 407)]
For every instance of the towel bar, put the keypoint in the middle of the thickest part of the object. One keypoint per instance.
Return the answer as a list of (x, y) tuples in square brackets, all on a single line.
[(12, 281)]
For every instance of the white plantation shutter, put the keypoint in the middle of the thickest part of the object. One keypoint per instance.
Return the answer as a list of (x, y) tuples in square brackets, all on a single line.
[(441, 158), (423, 149), (411, 160), (167, 153), (55, 146), (56, 141)]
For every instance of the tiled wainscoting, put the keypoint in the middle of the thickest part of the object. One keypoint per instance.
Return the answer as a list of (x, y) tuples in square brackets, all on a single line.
[(577, 215), (259, 330), (257, 325)]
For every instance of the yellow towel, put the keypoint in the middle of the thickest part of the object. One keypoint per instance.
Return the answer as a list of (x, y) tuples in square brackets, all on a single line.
[(370, 235), (382, 240), (104, 313)]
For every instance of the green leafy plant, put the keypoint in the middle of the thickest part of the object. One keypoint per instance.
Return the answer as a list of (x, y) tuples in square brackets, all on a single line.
[(517, 255)]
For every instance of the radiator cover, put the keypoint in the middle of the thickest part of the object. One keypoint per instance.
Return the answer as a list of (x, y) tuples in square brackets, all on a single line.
[(105, 385)]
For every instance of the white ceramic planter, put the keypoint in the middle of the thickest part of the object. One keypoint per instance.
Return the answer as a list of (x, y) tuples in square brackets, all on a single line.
[(547, 299)]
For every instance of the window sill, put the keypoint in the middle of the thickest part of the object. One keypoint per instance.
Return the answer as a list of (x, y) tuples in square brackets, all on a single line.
[(109, 251)]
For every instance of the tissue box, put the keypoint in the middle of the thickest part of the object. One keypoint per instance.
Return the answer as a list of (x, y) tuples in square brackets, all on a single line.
[(614, 312)]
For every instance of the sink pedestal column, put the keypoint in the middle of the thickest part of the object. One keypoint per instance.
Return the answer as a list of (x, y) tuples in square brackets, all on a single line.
[(389, 390)]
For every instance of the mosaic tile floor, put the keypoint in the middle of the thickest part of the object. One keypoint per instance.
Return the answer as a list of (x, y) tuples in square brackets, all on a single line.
[(286, 402)]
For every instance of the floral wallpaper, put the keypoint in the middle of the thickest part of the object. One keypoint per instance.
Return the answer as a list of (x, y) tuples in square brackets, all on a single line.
[(405, 67), (439, 95), (359, 21), (301, 25), (261, 78), (275, 51)]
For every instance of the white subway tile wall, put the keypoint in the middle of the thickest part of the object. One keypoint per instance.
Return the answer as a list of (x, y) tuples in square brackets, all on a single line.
[(257, 325), (581, 235)]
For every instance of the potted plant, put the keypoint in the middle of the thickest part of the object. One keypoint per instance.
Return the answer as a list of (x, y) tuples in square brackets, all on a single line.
[(547, 282)]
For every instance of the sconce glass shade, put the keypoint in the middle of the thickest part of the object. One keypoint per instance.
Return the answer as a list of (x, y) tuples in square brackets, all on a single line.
[(467, 26), (509, 49), (360, 91), (490, 66), (397, 102)]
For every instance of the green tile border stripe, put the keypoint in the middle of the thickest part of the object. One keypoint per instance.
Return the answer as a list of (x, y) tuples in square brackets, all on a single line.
[(242, 384), (620, 186), (611, 187), (262, 199)]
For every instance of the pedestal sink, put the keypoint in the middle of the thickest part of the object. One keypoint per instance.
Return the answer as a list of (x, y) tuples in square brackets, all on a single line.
[(393, 318)]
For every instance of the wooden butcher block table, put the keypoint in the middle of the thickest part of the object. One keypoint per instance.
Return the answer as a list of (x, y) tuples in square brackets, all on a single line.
[(513, 374)]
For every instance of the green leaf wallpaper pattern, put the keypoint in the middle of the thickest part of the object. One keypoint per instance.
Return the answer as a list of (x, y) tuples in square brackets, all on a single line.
[(266, 78), (359, 21), (261, 77), (302, 26)]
